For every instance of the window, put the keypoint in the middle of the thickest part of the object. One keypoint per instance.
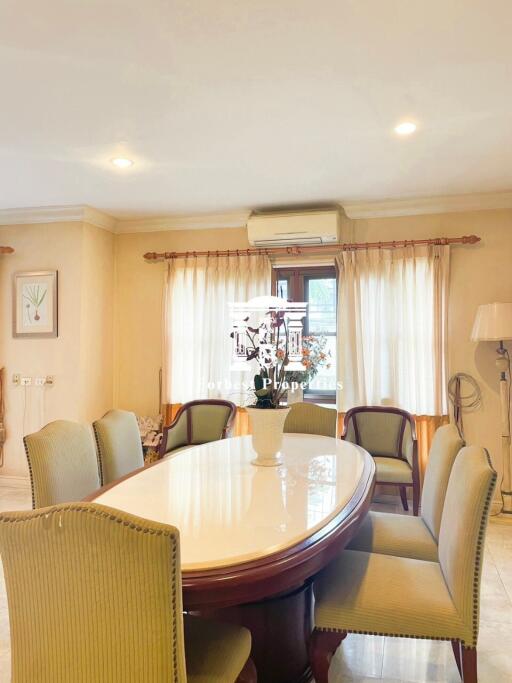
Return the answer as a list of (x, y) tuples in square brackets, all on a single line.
[(316, 286)]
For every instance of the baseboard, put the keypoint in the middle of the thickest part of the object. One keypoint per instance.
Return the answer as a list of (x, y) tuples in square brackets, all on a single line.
[(15, 480)]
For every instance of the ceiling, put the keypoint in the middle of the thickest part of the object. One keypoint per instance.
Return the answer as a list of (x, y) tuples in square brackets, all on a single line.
[(225, 105)]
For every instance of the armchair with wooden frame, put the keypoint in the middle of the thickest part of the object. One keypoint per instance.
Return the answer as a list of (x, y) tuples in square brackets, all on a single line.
[(389, 435), (198, 422)]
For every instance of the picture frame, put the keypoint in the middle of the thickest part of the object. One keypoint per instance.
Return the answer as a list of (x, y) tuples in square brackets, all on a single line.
[(35, 305)]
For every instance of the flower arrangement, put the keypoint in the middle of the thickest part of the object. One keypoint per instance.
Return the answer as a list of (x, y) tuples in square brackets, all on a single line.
[(314, 356), (268, 344)]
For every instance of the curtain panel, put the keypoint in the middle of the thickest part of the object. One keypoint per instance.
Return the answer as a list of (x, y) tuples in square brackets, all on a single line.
[(392, 328), (197, 348)]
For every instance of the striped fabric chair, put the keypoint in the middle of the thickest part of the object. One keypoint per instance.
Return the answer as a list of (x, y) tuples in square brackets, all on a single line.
[(308, 418), (385, 595), (389, 435), (95, 595), (416, 537), (62, 462), (198, 422), (119, 445)]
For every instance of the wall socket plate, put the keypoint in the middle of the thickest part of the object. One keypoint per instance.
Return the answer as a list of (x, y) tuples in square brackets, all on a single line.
[(26, 381)]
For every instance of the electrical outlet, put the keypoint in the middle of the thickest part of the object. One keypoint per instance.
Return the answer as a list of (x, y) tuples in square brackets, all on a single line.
[(50, 380), (40, 381), (16, 379), (26, 381)]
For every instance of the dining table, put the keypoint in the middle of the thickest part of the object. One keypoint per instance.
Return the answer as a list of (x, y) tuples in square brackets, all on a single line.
[(253, 538)]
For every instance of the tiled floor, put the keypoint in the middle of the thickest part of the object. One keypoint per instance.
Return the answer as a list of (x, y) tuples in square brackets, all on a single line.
[(367, 658)]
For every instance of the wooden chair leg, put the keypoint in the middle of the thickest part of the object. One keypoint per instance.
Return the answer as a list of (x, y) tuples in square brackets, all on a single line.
[(468, 662), (322, 646), (248, 673), (403, 496), (456, 653), (415, 499)]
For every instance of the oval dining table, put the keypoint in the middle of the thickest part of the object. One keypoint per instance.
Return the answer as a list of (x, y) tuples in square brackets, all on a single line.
[(252, 538)]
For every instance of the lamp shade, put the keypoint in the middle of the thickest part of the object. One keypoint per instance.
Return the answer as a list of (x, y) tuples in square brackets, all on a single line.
[(493, 322)]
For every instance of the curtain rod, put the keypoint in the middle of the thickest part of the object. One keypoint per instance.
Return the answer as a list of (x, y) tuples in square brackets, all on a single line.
[(298, 250), (6, 250)]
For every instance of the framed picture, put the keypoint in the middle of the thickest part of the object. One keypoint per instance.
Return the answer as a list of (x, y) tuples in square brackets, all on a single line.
[(35, 304)]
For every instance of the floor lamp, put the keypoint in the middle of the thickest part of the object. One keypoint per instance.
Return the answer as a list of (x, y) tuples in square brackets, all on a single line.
[(493, 322)]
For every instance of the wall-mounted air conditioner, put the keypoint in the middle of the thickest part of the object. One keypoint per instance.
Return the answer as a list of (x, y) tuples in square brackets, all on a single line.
[(291, 228)]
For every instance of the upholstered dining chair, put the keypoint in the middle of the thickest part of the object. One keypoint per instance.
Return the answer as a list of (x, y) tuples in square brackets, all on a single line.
[(119, 445), (416, 537), (198, 422), (62, 462), (308, 418), (389, 435), (396, 596), (95, 595)]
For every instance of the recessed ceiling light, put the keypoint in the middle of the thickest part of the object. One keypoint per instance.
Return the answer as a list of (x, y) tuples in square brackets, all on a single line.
[(120, 162), (405, 128)]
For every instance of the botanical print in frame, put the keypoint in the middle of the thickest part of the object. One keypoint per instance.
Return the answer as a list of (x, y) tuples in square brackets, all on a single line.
[(35, 304)]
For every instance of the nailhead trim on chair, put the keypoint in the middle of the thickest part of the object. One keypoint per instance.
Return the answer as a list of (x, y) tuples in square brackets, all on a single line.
[(480, 549), (31, 475), (98, 456), (381, 633)]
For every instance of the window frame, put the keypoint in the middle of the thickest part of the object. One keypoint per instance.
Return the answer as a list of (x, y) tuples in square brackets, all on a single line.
[(297, 277)]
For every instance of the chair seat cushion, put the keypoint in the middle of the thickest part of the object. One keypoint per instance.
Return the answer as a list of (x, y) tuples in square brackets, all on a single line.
[(215, 652), (391, 534), (386, 595), (392, 470)]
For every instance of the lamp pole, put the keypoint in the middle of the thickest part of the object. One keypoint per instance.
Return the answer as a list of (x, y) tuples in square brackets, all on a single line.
[(503, 365)]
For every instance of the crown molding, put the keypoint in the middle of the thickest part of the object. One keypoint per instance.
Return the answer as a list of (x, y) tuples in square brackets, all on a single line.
[(198, 221), (424, 205), (238, 219), (58, 214)]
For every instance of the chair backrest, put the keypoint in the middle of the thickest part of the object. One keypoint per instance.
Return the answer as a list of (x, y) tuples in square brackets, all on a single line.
[(462, 534), (198, 422), (381, 431), (308, 418), (119, 445), (62, 462), (94, 594), (443, 451)]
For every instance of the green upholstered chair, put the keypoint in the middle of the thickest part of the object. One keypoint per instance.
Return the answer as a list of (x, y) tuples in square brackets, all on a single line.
[(119, 445), (95, 595), (198, 422), (389, 435), (308, 418), (62, 462), (416, 537), (396, 596)]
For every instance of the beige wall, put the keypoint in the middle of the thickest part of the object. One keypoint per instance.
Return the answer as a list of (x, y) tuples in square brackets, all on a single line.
[(80, 358)]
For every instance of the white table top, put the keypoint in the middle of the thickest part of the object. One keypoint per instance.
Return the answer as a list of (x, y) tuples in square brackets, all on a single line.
[(229, 511)]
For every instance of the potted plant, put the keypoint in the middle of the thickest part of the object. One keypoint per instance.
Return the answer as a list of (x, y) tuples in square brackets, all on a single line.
[(268, 345), (314, 356)]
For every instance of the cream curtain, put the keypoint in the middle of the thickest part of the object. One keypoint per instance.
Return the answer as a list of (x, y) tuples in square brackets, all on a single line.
[(196, 346), (392, 326)]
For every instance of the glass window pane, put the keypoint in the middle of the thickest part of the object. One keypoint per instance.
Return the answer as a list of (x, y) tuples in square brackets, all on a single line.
[(282, 289), (321, 298)]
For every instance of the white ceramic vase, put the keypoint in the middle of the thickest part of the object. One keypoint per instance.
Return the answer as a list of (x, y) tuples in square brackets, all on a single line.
[(295, 395), (267, 434)]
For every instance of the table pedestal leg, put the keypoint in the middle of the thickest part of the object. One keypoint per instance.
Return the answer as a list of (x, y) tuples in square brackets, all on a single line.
[(280, 628)]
